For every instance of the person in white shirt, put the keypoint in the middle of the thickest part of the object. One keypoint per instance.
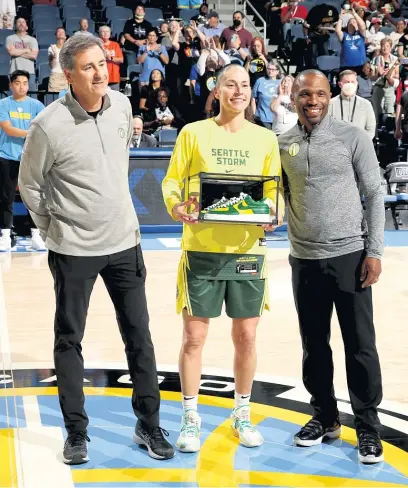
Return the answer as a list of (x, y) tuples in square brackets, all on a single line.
[(83, 28), (351, 108), (57, 81), (285, 116)]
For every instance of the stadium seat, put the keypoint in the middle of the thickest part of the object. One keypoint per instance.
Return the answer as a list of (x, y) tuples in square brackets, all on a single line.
[(328, 63), (167, 137), (42, 57), (4, 65), (108, 3), (44, 15), (117, 26), (297, 32), (3, 34), (73, 3), (387, 30), (187, 13), (45, 39), (44, 72), (49, 98), (334, 44), (51, 9), (51, 23), (114, 13), (154, 14), (133, 69), (75, 11)]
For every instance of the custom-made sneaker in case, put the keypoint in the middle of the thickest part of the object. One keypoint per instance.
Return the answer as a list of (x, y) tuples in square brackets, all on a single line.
[(153, 439), (248, 434), (370, 449), (75, 448), (313, 433), (189, 438), (242, 208)]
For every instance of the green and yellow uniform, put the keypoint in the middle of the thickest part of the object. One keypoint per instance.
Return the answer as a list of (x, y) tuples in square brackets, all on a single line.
[(222, 261)]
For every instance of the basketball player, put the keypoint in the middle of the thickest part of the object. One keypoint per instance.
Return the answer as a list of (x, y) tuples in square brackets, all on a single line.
[(335, 256), (74, 181), (208, 271)]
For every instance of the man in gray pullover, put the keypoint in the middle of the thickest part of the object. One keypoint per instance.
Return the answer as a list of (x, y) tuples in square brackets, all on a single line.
[(351, 108), (74, 181), (335, 257)]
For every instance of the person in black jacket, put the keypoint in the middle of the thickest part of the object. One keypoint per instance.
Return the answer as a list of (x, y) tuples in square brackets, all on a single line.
[(317, 28)]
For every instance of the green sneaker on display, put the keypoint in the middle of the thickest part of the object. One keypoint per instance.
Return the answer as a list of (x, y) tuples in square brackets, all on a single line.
[(242, 208)]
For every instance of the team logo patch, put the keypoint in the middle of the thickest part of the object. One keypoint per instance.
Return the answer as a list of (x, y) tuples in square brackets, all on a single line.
[(294, 149), (121, 132)]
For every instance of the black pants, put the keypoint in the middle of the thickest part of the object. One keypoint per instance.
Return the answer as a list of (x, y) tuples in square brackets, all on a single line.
[(318, 47), (124, 275), (8, 183), (317, 286)]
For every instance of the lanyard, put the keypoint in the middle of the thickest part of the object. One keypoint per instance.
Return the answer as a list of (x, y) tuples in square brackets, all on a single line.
[(352, 113)]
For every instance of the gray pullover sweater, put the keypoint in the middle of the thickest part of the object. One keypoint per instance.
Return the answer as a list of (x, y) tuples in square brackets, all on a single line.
[(326, 172), (74, 177)]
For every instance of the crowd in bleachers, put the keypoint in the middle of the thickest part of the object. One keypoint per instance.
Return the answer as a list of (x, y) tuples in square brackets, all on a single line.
[(166, 58)]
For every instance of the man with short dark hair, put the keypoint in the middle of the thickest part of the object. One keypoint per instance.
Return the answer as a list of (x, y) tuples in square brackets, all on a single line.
[(213, 27), (16, 114), (236, 29), (23, 50), (335, 255), (75, 183), (83, 28)]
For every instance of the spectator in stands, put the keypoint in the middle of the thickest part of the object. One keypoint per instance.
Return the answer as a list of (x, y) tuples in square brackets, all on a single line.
[(201, 17), (264, 90), (7, 14), (151, 56), (353, 53), (401, 119), (234, 29), (392, 7), (289, 13), (402, 47), (16, 115), (386, 80), (285, 116), (148, 92), (163, 115), (23, 50), (57, 80), (171, 41), (351, 108), (273, 17), (365, 83), (195, 87), (256, 61), (213, 27), (317, 28), (114, 57), (140, 139), (236, 53), (346, 14), (163, 31), (399, 32), (83, 28), (135, 32), (374, 37)]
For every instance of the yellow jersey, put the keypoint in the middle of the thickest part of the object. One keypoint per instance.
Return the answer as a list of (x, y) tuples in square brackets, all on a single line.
[(206, 147)]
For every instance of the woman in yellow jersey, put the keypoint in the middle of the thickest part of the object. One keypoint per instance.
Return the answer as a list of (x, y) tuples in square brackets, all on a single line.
[(212, 252)]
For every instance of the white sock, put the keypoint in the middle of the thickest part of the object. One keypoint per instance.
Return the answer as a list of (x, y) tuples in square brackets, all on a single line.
[(241, 400), (35, 232), (190, 402), (5, 232)]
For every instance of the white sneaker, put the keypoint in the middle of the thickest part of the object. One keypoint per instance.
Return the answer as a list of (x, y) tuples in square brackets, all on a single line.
[(249, 436), (5, 243), (189, 438), (37, 243)]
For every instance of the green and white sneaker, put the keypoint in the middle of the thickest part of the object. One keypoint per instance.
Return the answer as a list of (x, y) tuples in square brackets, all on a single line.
[(249, 436), (242, 208), (189, 438)]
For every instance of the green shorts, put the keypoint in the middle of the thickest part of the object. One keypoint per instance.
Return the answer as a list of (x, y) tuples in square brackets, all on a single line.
[(210, 279)]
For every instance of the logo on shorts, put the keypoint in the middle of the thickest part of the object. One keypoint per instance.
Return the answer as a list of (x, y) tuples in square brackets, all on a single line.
[(294, 149), (121, 132)]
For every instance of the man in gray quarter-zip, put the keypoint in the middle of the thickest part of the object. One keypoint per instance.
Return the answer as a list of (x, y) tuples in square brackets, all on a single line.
[(74, 181), (351, 108), (335, 257)]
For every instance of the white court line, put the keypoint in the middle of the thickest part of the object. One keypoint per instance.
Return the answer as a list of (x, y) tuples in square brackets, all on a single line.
[(32, 411)]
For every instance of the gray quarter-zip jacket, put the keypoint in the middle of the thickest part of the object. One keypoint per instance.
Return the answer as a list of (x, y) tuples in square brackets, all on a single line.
[(363, 116), (326, 171), (74, 177)]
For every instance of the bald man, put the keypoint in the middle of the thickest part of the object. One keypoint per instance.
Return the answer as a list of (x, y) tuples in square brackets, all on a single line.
[(335, 256)]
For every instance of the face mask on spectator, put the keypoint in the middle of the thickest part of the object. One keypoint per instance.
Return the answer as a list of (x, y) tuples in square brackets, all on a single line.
[(236, 22), (349, 89)]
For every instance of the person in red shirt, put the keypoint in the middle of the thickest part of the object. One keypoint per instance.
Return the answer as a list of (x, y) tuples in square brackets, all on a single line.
[(114, 57), (289, 13)]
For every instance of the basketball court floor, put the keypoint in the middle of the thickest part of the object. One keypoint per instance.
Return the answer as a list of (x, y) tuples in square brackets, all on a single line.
[(31, 429)]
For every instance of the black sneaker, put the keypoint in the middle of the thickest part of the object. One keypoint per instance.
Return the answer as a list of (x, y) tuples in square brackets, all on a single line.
[(370, 449), (153, 439), (75, 448), (313, 433)]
